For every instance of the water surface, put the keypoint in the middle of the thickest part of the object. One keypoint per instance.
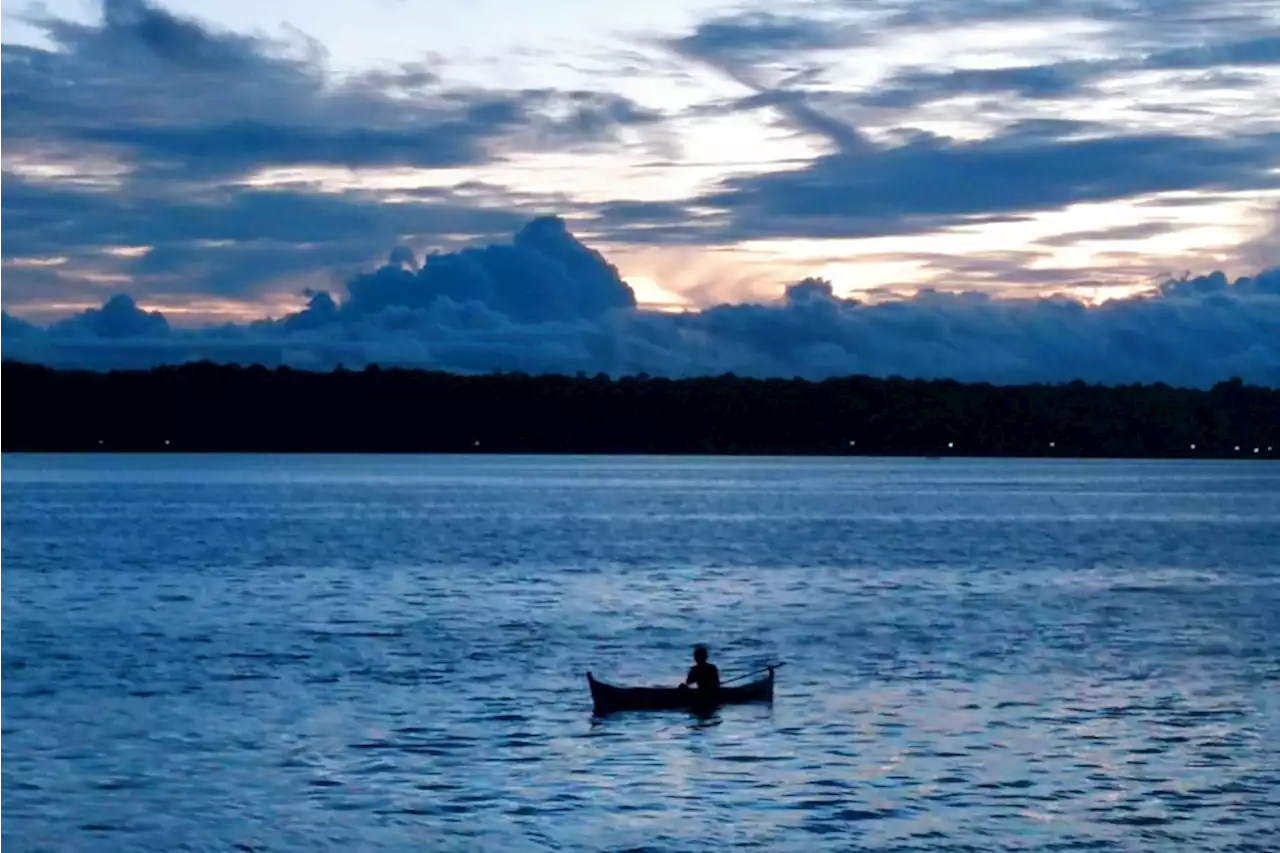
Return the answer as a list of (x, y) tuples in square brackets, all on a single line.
[(388, 653)]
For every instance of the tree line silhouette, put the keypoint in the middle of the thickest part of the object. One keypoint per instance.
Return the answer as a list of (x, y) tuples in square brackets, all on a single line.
[(203, 407)]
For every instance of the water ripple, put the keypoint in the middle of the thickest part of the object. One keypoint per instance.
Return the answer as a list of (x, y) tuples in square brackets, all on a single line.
[(388, 654)]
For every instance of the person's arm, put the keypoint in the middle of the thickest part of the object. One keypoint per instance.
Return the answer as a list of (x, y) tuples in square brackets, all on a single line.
[(692, 676)]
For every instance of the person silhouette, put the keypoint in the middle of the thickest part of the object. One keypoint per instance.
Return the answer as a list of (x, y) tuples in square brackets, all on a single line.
[(703, 673)]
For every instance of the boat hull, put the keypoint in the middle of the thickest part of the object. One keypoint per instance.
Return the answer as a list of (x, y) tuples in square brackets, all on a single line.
[(609, 699)]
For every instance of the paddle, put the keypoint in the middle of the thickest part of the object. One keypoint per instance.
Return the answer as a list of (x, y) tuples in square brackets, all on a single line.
[(753, 672)]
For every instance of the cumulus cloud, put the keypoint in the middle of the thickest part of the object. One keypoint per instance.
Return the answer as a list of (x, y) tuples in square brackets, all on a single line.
[(119, 317), (545, 275), (547, 303)]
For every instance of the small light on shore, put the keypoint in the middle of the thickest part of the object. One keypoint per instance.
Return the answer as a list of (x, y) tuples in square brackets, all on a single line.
[(951, 444), (1193, 447), (1053, 444), (1237, 448)]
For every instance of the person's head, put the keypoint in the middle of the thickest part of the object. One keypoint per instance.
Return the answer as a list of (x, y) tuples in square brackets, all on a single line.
[(700, 653)]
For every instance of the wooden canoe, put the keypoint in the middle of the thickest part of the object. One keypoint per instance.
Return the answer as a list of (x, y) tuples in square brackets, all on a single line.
[(608, 699)]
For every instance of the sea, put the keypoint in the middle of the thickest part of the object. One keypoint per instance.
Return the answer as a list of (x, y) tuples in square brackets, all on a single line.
[(309, 653)]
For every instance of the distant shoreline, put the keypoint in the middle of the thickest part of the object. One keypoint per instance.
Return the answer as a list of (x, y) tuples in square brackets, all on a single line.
[(480, 454), (207, 408)]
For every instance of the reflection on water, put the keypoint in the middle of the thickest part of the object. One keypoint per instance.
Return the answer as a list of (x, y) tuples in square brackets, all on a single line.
[(390, 653)]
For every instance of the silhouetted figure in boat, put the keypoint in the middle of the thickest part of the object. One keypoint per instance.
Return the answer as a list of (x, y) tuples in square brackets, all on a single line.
[(703, 673)]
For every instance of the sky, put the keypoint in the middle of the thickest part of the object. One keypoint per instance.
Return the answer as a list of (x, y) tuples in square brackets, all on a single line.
[(1005, 190)]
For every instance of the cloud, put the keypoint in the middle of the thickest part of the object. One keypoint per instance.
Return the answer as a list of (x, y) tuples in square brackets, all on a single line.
[(883, 173), (227, 243), (545, 275), (14, 328), (930, 182), (137, 144), (1067, 80), (546, 303), (753, 36), (1137, 231), (149, 130), (118, 318), (742, 47), (1159, 21), (169, 95), (916, 87), (1252, 52)]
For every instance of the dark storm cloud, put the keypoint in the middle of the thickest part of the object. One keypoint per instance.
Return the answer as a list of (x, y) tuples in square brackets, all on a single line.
[(546, 303)]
